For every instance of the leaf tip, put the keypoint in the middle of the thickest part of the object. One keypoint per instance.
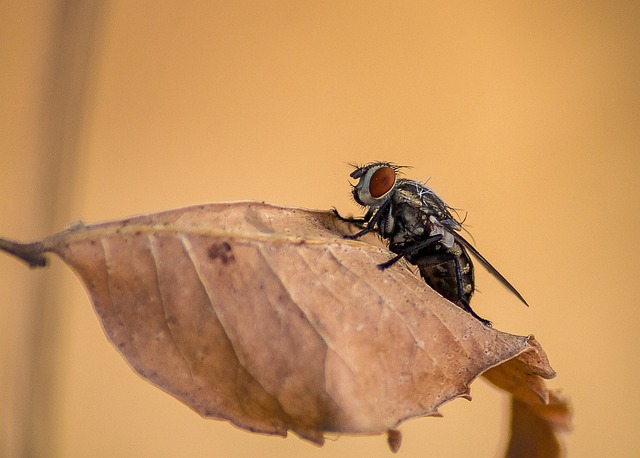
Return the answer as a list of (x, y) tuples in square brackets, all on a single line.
[(394, 439)]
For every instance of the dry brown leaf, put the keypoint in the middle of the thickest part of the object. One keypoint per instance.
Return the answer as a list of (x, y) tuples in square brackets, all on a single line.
[(266, 317)]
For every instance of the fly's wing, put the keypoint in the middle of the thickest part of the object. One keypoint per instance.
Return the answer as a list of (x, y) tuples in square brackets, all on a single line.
[(492, 270)]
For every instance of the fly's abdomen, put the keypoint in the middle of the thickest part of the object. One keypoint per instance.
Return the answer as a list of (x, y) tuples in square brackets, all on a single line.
[(449, 272), (441, 277)]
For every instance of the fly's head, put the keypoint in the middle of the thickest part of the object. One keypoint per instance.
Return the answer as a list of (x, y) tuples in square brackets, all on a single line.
[(376, 184)]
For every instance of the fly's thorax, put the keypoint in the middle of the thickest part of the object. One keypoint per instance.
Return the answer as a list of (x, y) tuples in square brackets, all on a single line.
[(410, 223), (416, 216), (427, 200)]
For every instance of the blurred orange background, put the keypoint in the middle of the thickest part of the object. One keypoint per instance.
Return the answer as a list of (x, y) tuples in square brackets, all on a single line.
[(524, 114)]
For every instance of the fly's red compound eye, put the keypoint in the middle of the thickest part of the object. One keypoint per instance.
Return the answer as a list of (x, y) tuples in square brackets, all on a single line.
[(382, 181)]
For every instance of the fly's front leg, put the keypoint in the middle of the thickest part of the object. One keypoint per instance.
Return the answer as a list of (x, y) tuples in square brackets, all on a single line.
[(372, 219), (366, 219), (349, 219)]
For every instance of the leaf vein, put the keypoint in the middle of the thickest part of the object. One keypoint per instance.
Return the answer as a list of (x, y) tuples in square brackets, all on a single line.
[(156, 264)]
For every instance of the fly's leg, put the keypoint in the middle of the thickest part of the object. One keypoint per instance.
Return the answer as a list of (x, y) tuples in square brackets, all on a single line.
[(461, 294), (410, 250), (366, 220), (370, 218), (390, 262), (462, 301), (357, 235), (467, 308), (349, 219)]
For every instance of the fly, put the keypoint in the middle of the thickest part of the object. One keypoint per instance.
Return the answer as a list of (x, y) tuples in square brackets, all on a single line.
[(420, 228)]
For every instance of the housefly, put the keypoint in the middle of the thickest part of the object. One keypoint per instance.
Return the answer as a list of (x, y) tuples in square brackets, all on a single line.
[(421, 228)]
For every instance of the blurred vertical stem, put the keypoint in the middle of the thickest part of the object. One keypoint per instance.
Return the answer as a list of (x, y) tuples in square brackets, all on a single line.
[(67, 72)]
